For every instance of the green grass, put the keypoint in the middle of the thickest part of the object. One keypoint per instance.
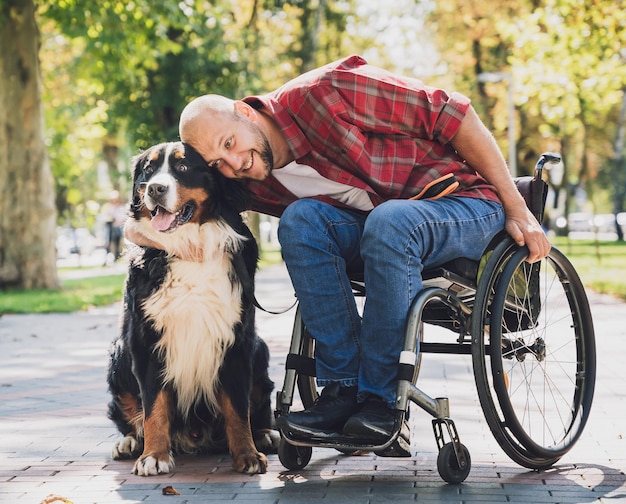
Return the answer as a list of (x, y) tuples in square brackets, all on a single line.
[(601, 265), (75, 295)]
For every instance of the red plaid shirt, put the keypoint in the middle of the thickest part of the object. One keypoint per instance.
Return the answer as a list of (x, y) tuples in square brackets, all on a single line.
[(367, 128)]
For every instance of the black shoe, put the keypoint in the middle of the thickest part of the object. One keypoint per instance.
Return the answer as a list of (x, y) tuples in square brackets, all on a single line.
[(331, 410), (375, 423)]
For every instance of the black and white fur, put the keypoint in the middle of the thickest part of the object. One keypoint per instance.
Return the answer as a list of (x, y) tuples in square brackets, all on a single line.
[(188, 373)]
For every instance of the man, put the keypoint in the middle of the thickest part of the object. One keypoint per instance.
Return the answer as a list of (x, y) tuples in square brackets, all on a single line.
[(373, 172)]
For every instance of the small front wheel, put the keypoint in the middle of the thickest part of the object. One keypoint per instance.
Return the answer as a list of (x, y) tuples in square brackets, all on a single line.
[(448, 465), (293, 457)]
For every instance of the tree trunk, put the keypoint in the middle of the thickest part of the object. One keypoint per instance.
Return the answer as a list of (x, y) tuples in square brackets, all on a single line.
[(27, 211)]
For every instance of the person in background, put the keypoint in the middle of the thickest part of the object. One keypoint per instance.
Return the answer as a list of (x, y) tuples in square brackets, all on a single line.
[(115, 214)]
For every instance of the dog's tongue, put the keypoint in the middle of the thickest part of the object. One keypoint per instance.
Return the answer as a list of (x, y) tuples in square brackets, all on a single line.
[(162, 220)]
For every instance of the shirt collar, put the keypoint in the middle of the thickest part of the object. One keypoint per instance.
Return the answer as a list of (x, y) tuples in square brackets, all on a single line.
[(298, 144)]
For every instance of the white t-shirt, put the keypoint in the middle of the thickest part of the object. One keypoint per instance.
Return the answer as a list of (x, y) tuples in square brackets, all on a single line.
[(304, 181)]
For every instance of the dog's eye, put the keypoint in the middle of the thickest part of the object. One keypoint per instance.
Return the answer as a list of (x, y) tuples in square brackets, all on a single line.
[(148, 168), (182, 168)]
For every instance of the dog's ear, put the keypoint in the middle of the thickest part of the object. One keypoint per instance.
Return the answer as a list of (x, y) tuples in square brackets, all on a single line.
[(136, 162), (234, 194), (233, 199)]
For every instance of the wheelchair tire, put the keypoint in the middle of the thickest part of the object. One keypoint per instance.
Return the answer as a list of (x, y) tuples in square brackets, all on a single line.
[(448, 465), (306, 384), (533, 355), (293, 457)]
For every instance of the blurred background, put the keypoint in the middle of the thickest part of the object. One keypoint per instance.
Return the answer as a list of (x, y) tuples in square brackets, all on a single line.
[(87, 84)]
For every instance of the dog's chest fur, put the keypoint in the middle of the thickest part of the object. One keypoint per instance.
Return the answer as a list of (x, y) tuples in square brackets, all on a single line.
[(196, 309)]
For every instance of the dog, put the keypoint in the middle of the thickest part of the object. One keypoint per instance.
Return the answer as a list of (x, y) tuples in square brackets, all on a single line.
[(188, 372)]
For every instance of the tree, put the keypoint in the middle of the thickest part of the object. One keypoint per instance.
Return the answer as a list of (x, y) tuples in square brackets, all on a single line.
[(571, 56), (27, 211), (119, 73), (566, 59)]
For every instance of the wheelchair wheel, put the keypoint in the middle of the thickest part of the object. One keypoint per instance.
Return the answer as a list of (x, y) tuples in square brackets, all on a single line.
[(293, 457), (306, 384), (448, 465), (533, 354)]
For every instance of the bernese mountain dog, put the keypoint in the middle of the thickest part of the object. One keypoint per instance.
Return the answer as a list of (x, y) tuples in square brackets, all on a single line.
[(188, 372)]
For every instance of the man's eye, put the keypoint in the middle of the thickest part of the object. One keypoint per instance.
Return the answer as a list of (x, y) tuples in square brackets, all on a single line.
[(215, 164), (228, 144)]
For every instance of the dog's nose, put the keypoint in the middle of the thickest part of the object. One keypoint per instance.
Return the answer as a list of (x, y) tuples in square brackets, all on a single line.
[(156, 190)]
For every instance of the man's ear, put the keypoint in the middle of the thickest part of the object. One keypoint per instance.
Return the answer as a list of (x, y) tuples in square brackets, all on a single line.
[(246, 110)]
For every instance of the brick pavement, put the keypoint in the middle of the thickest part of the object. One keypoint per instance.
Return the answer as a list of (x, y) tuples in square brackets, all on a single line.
[(55, 438)]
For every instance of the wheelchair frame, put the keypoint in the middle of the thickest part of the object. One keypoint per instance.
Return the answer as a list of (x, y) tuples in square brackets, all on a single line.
[(515, 321)]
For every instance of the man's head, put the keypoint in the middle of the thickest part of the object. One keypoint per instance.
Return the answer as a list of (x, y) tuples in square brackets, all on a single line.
[(228, 135)]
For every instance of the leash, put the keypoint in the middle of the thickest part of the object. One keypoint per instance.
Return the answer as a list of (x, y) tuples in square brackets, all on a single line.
[(258, 305), (248, 286)]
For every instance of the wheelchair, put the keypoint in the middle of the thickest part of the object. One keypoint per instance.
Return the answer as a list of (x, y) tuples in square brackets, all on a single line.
[(529, 331)]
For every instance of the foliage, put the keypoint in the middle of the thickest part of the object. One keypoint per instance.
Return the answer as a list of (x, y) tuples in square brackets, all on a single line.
[(567, 62), (117, 74), (571, 58)]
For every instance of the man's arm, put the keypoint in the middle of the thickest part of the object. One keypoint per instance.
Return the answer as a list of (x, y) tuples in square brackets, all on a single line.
[(475, 143)]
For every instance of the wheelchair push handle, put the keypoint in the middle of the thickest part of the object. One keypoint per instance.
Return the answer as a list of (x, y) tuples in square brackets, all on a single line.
[(546, 157), (539, 187)]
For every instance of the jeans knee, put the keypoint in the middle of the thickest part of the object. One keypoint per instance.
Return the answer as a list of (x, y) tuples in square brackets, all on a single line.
[(381, 224), (298, 216)]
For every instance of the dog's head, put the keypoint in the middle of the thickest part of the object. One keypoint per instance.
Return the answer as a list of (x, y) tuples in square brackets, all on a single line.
[(175, 193)]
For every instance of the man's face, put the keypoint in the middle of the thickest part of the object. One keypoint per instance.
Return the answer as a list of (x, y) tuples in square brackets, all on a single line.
[(236, 146)]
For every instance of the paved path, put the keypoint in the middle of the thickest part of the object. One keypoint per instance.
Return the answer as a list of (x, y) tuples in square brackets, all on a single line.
[(55, 438)]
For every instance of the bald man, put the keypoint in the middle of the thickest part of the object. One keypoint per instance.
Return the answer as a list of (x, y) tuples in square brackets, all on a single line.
[(370, 172)]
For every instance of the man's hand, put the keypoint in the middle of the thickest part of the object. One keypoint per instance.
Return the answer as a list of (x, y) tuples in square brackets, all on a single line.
[(134, 234), (525, 230), (186, 244)]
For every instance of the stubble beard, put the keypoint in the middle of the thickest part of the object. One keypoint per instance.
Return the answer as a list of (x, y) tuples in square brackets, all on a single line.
[(266, 154)]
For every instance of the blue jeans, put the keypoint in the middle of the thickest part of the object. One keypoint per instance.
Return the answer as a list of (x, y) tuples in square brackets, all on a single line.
[(322, 244)]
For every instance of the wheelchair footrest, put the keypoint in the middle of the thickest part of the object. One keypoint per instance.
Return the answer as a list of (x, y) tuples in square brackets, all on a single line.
[(397, 445)]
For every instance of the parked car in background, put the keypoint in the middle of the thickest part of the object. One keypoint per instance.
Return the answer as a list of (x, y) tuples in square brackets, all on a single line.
[(604, 223), (580, 222), (585, 225)]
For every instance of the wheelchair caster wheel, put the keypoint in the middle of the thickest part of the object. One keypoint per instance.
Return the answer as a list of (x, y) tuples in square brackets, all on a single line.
[(293, 457), (448, 465)]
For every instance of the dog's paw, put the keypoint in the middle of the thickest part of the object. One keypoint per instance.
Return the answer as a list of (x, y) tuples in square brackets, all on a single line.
[(126, 448), (251, 462), (151, 465), (266, 440)]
